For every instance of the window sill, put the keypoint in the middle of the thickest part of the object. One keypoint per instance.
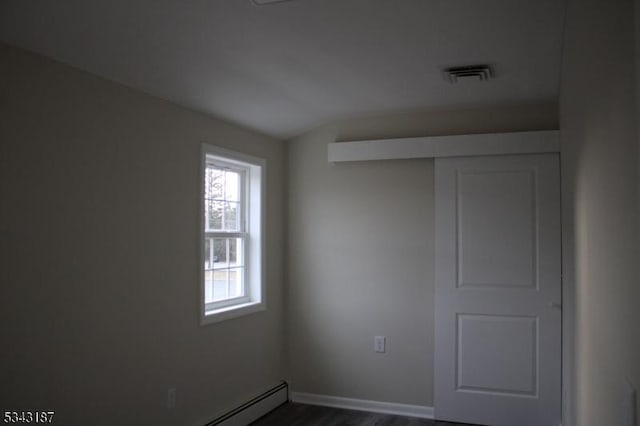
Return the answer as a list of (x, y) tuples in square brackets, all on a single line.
[(216, 315)]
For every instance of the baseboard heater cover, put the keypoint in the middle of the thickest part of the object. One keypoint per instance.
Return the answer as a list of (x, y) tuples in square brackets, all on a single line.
[(255, 408)]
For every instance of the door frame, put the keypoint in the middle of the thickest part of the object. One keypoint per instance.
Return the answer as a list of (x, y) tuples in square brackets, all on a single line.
[(485, 144)]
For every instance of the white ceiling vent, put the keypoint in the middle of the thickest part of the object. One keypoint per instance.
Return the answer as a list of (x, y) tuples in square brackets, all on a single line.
[(479, 72)]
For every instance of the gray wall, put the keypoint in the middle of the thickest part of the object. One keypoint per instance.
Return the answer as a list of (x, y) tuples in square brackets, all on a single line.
[(361, 255), (600, 172), (99, 255)]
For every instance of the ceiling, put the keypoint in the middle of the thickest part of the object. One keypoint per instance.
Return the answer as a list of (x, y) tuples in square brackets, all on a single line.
[(284, 68)]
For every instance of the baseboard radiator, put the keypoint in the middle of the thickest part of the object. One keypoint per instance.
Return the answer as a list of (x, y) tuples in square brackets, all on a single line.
[(255, 408)]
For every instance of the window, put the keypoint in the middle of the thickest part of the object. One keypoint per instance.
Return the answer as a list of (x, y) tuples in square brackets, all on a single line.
[(231, 237)]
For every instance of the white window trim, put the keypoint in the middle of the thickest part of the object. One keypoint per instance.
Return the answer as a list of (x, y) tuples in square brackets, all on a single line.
[(255, 227)]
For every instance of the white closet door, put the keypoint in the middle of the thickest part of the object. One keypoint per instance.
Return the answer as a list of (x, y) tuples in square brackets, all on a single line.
[(498, 290)]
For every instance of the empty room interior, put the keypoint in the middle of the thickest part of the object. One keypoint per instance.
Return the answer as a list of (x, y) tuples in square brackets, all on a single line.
[(425, 209)]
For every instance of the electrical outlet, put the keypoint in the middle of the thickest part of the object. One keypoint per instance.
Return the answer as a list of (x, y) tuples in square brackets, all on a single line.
[(628, 405), (379, 344), (171, 398)]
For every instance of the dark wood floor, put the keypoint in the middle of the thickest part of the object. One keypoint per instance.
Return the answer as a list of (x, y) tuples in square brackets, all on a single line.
[(293, 414)]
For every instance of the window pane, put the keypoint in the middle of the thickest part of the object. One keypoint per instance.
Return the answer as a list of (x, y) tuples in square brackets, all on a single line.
[(232, 186), (214, 183), (214, 212), (222, 284), (219, 252), (222, 199), (220, 287), (224, 268), (236, 278), (231, 216), (236, 253), (227, 253)]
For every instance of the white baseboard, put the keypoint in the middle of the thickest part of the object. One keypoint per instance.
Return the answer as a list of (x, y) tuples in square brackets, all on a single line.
[(363, 405), (253, 409)]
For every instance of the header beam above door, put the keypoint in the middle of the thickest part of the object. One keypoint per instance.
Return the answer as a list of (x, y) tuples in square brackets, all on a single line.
[(533, 142)]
